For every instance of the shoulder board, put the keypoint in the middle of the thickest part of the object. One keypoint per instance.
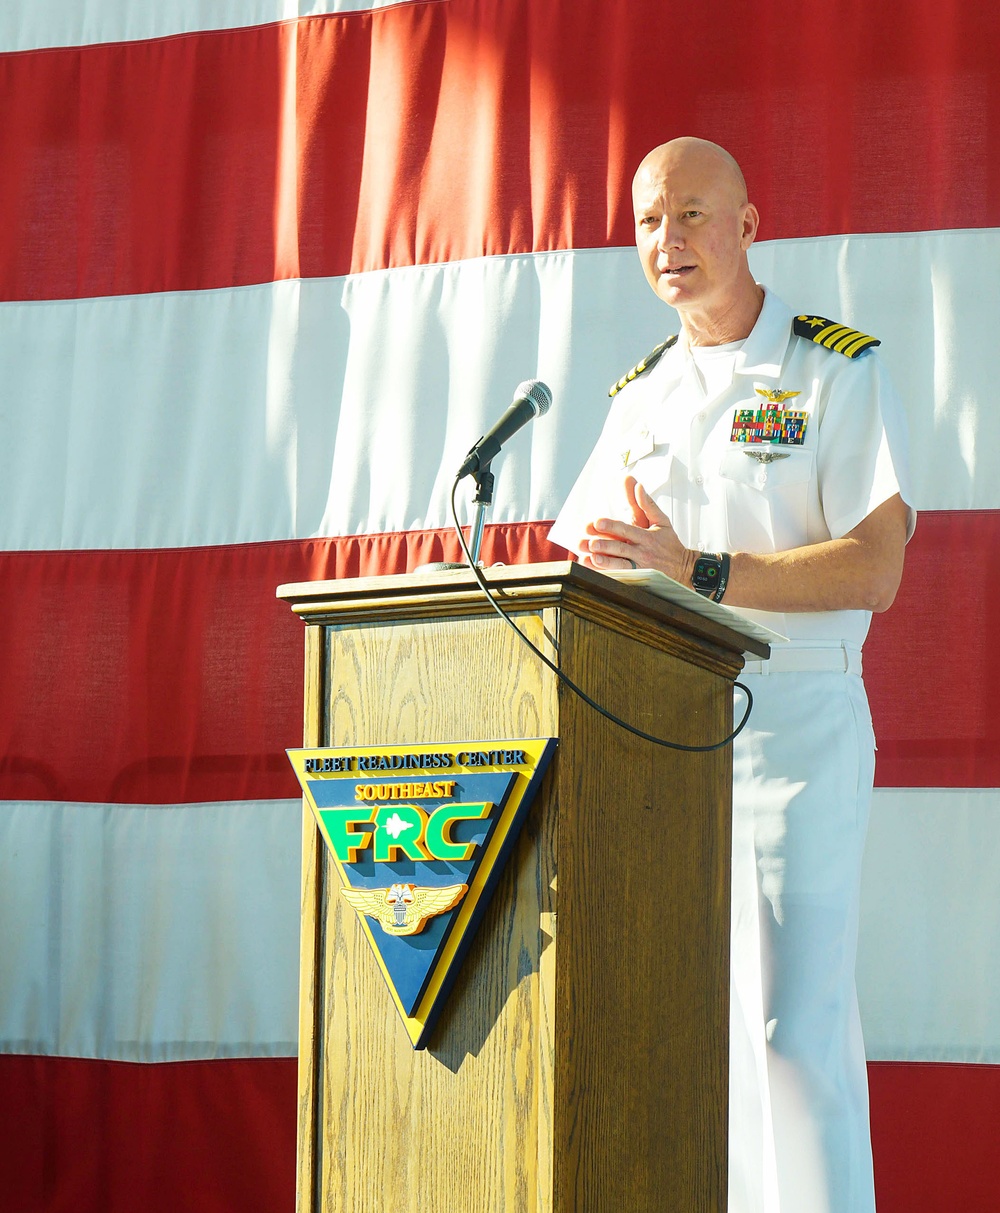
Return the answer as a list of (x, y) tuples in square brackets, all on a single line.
[(834, 336), (651, 359)]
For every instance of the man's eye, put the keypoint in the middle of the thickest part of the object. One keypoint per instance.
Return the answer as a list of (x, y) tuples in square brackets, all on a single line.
[(691, 214)]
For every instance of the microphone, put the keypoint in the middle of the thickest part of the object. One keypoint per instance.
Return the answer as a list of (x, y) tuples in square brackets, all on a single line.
[(532, 398)]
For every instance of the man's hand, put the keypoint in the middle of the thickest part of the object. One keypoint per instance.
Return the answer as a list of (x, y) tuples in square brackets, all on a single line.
[(861, 571), (649, 542)]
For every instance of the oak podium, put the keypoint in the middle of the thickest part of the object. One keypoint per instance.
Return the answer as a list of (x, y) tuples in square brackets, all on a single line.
[(580, 1062)]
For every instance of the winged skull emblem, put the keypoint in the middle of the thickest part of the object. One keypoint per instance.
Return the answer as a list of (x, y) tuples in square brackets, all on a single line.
[(403, 909)]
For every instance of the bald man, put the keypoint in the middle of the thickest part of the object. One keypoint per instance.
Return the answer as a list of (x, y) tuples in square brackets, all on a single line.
[(759, 457)]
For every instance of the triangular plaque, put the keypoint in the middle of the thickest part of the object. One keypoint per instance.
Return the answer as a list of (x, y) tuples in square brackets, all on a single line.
[(419, 835)]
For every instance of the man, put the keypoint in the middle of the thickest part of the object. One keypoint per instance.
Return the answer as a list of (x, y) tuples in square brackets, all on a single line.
[(761, 458)]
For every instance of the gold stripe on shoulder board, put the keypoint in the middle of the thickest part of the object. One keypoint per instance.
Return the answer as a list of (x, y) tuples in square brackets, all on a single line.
[(847, 341), (650, 360)]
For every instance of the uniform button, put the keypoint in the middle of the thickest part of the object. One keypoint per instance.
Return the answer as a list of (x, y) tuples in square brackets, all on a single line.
[(762, 478), (700, 417), (699, 479)]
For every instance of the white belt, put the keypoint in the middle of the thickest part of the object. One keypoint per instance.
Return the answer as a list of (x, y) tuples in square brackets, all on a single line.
[(841, 659)]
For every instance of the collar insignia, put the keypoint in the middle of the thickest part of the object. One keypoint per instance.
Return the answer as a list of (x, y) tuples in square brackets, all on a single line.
[(640, 445)]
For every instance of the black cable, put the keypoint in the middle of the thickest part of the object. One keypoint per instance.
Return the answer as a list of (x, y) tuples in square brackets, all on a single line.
[(670, 745)]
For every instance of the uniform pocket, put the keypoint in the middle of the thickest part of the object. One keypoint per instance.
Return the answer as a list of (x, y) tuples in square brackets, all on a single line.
[(768, 504)]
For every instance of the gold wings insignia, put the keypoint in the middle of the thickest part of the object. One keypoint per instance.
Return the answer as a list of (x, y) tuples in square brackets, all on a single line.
[(404, 909), (775, 395)]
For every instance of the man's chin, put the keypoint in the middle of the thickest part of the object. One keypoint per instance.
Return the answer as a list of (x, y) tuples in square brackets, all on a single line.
[(678, 293)]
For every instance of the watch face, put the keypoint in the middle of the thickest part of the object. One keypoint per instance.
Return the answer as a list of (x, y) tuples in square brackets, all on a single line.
[(706, 573)]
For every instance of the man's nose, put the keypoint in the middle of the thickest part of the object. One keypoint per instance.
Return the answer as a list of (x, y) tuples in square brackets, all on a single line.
[(668, 235)]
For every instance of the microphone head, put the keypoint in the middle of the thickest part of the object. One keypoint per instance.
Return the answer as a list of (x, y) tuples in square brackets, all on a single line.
[(538, 395)]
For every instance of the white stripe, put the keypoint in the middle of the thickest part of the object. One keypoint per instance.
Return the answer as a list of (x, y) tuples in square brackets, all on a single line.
[(149, 933), (31, 24), (341, 406), (930, 926), (297, 409)]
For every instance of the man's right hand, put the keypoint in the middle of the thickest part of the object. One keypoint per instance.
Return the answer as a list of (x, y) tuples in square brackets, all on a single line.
[(649, 542)]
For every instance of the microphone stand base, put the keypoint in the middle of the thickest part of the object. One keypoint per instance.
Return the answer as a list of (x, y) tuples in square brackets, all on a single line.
[(439, 566)]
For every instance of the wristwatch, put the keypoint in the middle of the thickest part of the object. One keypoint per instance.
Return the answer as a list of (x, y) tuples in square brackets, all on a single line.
[(711, 574)]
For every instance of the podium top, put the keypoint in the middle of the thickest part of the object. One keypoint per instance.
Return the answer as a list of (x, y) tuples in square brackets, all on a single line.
[(524, 587)]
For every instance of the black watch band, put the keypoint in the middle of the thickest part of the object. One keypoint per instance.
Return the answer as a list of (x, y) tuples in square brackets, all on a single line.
[(711, 574)]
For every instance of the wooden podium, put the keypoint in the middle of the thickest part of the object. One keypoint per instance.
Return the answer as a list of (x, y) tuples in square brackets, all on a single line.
[(580, 1063)]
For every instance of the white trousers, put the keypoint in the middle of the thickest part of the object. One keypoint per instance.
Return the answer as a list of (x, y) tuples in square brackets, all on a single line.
[(802, 782)]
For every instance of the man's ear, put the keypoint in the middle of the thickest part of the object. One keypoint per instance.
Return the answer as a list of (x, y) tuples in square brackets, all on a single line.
[(751, 222)]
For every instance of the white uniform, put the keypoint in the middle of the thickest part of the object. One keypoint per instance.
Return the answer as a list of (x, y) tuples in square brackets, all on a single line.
[(803, 767)]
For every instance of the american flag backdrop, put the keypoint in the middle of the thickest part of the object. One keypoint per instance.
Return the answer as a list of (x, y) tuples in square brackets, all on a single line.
[(267, 269)]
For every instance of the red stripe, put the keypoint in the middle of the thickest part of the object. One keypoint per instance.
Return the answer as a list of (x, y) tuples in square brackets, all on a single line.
[(434, 132), (934, 1137), (164, 677), (175, 676), (113, 1137), (931, 664)]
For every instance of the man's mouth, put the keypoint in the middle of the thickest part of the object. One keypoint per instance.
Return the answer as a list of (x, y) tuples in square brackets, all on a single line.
[(676, 270)]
